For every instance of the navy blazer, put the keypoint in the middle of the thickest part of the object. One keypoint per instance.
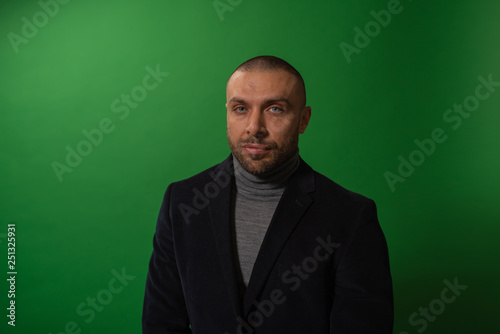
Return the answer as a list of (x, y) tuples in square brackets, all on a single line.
[(323, 266)]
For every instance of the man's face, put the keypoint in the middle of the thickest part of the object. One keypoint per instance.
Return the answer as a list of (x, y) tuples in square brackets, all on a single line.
[(264, 118)]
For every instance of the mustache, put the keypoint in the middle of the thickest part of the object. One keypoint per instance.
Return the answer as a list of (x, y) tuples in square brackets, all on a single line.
[(259, 141)]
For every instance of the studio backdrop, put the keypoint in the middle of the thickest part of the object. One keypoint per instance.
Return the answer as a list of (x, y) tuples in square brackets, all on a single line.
[(104, 103)]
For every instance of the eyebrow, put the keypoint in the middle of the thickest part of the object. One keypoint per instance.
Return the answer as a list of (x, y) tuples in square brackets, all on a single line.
[(268, 101)]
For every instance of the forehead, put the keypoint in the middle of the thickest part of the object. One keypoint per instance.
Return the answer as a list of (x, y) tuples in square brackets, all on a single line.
[(262, 83)]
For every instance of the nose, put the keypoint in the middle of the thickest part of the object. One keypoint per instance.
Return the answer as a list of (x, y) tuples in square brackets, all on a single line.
[(256, 125)]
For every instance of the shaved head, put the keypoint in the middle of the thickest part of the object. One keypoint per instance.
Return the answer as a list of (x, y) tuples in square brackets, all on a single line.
[(271, 63)]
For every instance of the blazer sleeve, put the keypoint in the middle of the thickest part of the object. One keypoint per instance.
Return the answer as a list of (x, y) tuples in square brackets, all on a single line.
[(363, 301), (164, 309)]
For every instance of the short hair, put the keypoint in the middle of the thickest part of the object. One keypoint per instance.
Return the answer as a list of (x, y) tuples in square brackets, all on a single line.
[(272, 63)]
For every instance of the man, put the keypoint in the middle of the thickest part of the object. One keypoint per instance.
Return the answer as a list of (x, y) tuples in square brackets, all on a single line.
[(261, 243)]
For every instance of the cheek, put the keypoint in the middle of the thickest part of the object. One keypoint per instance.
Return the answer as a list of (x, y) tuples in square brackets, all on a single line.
[(282, 130), (233, 129), (280, 137)]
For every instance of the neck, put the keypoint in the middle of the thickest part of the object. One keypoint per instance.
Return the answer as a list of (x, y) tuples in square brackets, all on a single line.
[(273, 180)]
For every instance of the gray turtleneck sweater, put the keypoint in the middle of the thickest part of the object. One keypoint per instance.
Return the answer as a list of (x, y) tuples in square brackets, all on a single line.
[(254, 201)]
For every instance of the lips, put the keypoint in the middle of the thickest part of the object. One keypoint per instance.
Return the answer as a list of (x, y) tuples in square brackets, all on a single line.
[(255, 148)]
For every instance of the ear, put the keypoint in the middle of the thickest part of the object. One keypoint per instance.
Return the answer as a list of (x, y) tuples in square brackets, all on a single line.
[(305, 116)]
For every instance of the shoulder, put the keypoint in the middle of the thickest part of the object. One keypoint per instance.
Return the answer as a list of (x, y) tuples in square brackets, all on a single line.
[(325, 184), (331, 196), (218, 175), (341, 211), (322, 185)]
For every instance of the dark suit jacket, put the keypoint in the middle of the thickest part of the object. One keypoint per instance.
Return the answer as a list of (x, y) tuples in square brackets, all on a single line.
[(323, 265)]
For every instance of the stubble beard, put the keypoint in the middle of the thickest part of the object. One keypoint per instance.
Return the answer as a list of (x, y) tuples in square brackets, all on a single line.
[(259, 164)]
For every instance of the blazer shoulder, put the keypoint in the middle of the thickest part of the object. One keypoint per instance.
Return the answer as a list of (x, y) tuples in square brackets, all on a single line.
[(347, 209), (327, 187), (212, 174)]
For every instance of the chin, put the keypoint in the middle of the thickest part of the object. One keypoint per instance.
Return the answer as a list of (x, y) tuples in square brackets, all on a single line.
[(258, 167)]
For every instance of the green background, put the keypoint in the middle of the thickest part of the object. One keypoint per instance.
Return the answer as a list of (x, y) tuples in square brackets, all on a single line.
[(441, 223)]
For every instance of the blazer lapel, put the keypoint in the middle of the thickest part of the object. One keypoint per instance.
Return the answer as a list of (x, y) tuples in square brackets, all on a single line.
[(220, 219), (290, 209)]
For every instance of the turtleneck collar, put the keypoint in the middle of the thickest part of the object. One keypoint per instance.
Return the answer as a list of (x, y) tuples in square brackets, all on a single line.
[(269, 183)]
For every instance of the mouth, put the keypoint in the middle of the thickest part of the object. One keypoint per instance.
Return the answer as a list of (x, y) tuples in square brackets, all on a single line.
[(255, 148)]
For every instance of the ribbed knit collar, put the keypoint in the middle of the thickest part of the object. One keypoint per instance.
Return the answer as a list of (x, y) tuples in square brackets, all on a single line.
[(271, 183)]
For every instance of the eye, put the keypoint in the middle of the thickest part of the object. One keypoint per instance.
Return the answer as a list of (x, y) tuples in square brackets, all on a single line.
[(275, 110), (240, 109)]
